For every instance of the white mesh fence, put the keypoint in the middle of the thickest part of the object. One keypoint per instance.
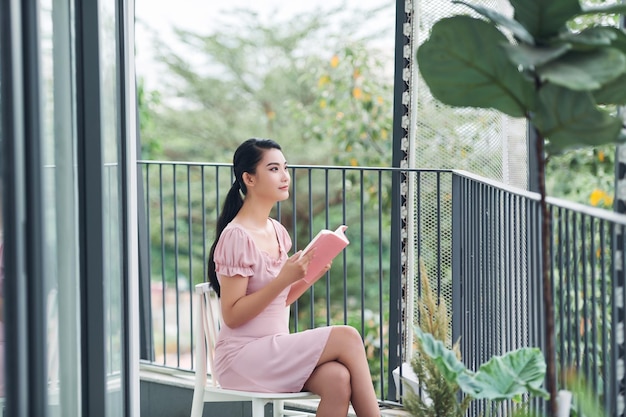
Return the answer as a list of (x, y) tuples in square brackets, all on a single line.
[(480, 141)]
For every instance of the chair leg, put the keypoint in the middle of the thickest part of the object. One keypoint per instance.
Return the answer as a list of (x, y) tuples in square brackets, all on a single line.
[(197, 404), (258, 407), (279, 408)]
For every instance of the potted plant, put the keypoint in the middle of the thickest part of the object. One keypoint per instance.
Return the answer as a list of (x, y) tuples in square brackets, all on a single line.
[(565, 83)]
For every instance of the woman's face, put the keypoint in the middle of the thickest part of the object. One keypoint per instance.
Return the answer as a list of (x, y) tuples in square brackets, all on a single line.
[(272, 179)]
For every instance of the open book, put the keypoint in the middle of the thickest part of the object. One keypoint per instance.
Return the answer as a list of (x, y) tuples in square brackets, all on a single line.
[(328, 244)]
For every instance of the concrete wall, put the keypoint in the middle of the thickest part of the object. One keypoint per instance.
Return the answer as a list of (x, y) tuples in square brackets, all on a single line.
[(163, 400)]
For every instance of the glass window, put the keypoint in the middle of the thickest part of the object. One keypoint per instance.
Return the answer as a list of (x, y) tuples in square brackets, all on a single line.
[(60, 213), (112, 214)]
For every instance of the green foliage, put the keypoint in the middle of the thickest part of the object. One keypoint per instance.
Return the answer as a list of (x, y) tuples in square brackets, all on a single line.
[(555, 77), (440, 394), (311, 82), (460, 72), (146, 101), (594, 167), (585, 401), (352, 105), (442, 375), (594, 170), (504, 377)]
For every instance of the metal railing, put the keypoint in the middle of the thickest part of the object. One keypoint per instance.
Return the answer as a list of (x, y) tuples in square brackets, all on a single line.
[(497, 287), (478, 239)]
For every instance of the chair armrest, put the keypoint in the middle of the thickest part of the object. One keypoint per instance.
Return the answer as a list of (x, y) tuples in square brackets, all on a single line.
[(203, 287)]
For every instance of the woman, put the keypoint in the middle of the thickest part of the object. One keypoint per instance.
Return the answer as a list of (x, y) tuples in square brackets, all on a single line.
[(256, 280)]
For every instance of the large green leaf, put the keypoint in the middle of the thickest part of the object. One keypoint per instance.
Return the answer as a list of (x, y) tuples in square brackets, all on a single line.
[(502, 377), (545, 18), (589, 38), (513, 25), (445, 359), (584, 70), (619, 41), (529, 57), (613, 92), (604, 9), (464, 65), (571, 119), (508, 376)]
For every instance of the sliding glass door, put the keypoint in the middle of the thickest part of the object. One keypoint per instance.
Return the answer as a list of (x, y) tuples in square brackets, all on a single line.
[(64, 299)]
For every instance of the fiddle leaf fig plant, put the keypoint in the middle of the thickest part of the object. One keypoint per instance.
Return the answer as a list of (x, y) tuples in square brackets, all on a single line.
[(505, 377), (532, 66), (566, 83)]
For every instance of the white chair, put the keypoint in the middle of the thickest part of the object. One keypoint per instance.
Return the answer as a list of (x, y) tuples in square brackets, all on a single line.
[(207, 322)]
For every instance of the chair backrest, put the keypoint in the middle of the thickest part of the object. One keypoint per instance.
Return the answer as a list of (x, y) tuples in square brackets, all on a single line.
[(207, 328), (207, 322)]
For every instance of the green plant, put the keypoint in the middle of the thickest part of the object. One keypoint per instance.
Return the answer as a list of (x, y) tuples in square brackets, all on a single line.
[(441, 374), (504, 377), (562, 80), (441, 394)]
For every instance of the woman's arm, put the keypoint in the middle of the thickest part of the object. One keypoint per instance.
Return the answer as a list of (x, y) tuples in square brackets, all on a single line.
[(239, 308), (299, 287)]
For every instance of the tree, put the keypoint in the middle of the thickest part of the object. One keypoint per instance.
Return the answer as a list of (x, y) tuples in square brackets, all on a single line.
[(534, 66), (312, 81)]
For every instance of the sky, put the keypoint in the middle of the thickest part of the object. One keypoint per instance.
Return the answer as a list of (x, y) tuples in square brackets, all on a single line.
[(160, 16)]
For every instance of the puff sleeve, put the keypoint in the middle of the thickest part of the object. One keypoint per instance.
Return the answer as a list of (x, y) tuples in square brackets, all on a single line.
[(235, 254)]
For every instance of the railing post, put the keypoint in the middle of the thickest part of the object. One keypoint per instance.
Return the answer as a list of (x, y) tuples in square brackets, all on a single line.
[(146, 341), (457, 256), (401, 113), (395, 288)]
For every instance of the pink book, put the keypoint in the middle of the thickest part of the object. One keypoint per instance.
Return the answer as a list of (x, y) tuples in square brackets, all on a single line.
[(328, 244)]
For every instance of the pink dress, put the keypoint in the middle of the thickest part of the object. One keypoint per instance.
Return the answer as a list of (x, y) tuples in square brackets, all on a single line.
[(262, 355)]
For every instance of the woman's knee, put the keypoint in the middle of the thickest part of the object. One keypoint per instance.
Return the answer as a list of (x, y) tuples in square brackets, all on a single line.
[(337, 378), (344, 344), (348, 336), (331, 379)]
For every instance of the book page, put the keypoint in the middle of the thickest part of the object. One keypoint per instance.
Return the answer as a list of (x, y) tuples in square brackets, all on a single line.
[(327, 246)]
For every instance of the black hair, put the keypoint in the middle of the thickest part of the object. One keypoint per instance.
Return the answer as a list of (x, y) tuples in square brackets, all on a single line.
[(246, 158)]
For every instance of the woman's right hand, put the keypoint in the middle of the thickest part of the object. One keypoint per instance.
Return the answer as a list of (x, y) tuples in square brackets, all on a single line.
[(296, 266)]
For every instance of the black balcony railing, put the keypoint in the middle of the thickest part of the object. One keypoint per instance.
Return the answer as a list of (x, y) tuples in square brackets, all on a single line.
[(497, 286), (478, 240)]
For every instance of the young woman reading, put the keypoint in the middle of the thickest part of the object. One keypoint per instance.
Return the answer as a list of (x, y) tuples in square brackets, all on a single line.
[(256, 279)]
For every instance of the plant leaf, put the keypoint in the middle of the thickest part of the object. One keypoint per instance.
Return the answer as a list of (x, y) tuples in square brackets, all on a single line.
[(589, 38), (464, 65), (568, 119), (603, 9), (584, 70), (619, 41), (444, 358), (613, 92), (529, 57), (514, 26), (508, 376), (544, 19)]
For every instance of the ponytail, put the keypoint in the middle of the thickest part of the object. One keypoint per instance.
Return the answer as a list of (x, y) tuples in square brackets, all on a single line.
[(246, 158), (232, 205)]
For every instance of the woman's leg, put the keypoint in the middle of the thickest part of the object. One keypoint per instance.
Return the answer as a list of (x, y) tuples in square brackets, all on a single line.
[(331, 381), (345, 346)]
